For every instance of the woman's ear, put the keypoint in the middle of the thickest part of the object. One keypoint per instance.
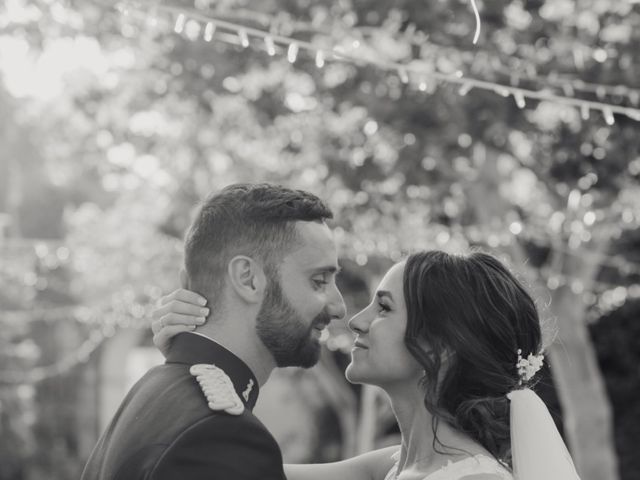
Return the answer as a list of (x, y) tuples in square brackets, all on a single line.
[(247, 278)]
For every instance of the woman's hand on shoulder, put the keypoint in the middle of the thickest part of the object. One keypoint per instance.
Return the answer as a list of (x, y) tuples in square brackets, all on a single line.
[(180, 311), (372, 465), (482, 476)]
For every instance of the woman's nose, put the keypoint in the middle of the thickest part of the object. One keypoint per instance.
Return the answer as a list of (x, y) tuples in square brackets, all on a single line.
[(359, 323)]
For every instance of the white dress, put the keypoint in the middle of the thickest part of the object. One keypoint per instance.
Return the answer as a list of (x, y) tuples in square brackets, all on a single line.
[(457, 470)]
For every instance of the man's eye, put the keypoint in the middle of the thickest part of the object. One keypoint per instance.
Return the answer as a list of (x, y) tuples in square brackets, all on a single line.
[(320, 282)]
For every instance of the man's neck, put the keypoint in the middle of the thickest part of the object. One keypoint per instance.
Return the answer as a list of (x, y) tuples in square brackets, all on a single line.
[(250, 351)]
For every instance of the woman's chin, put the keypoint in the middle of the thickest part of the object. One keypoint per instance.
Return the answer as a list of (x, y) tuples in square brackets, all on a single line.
[(353, 374)]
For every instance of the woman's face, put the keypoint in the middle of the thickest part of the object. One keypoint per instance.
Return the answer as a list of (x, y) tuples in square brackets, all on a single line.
[(379, 356)]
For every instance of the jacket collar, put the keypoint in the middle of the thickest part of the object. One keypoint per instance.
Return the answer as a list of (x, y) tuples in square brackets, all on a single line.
[(190, 349)]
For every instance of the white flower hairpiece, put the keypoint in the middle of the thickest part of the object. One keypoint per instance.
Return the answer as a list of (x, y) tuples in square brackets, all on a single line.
[(528, 367)]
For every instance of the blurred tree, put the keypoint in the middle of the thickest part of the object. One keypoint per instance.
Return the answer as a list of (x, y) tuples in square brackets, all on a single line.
[(140, 116)]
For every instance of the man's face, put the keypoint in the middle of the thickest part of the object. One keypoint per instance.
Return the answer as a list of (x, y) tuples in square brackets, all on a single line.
[(303, 300)]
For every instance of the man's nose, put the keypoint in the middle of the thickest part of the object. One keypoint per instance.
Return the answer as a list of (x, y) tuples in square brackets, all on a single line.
[(337, 309)]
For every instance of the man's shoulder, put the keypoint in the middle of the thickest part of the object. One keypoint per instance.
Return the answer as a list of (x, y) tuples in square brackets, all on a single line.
[(221, 445), (185, 405)]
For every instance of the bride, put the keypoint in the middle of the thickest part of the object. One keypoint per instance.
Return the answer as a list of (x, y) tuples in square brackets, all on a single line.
[(455, 342)]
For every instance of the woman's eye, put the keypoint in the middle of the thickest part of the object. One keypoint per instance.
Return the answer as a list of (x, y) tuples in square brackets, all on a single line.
[(383, 308)]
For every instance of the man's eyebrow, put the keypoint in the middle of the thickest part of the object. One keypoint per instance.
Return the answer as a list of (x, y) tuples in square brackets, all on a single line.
[(328, 269), (384, 293)]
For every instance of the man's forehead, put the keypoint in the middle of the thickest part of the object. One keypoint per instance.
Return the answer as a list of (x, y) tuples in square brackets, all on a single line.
[(315, 246)]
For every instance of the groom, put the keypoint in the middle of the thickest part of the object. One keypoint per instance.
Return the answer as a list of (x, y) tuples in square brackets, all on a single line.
[(266, 261)]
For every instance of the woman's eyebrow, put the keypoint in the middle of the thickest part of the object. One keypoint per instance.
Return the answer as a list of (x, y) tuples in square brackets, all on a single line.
[(384, 293)]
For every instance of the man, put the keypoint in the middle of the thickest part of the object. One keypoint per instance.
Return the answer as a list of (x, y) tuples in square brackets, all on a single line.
[(266, 262)]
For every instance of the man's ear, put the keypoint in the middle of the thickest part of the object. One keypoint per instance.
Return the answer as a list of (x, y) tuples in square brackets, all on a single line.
[(247, 278), (184, 279)]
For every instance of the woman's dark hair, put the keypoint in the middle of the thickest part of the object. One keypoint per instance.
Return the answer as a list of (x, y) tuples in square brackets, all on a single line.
[(469, 315)]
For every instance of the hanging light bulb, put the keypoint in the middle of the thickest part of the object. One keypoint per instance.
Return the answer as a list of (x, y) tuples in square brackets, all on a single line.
[(209, 30), (152, 19), (608, 116), (244, 38), (503, 91), (319, 59), (179, 25), (584, 111), (464, 89), (292, 52), (402, 73), (519, 98), (422, 85), (270, 46)]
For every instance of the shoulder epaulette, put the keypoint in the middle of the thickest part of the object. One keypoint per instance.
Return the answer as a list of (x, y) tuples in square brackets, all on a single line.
[(218, 388)]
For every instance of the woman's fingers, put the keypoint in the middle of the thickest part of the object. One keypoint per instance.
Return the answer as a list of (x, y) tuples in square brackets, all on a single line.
[(183, 295), (176, 319), (177, 306), (162, 338)]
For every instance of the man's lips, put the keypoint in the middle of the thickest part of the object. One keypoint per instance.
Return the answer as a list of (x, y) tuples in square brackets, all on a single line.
[(359, 344)]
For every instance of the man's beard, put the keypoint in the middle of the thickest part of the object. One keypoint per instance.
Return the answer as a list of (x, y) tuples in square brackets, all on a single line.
[(283, 331)]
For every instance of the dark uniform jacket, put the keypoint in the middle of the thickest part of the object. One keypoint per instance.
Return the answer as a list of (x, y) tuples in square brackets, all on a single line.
[(165, 430)]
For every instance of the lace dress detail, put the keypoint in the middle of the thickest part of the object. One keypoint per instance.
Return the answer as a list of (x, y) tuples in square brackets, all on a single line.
[(457, 470)]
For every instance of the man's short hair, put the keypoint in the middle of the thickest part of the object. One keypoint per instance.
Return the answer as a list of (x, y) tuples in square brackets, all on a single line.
[(256, 220)]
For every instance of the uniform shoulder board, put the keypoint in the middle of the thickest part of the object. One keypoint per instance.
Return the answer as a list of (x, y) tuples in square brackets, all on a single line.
[(218, 388)]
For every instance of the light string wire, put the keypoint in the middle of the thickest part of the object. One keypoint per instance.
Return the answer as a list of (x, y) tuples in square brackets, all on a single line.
[(418, 38), (476, 14), (403, 70)]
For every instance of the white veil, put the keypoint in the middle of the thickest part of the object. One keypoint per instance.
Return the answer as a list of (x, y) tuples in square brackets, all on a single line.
[(537, 449)]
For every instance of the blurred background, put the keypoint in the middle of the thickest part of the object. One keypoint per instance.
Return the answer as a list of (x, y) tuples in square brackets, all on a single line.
[(117, 119)]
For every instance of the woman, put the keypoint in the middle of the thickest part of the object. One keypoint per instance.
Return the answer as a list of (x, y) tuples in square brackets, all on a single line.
[(444, 337)]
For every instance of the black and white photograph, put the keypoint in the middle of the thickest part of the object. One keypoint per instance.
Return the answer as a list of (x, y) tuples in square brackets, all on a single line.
[(319, 240)]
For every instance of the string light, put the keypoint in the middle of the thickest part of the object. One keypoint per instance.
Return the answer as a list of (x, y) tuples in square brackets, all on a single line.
[(270, 46), (319, 59), (402, 73), (634, 115), (180, 22), (477, 17), (504, 91), (417, 37), (568, 85), (464, 89), (244, 37), (519, 98), (608, 116), (80, 356), (466, 83), (292, 52), (209, 30)]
